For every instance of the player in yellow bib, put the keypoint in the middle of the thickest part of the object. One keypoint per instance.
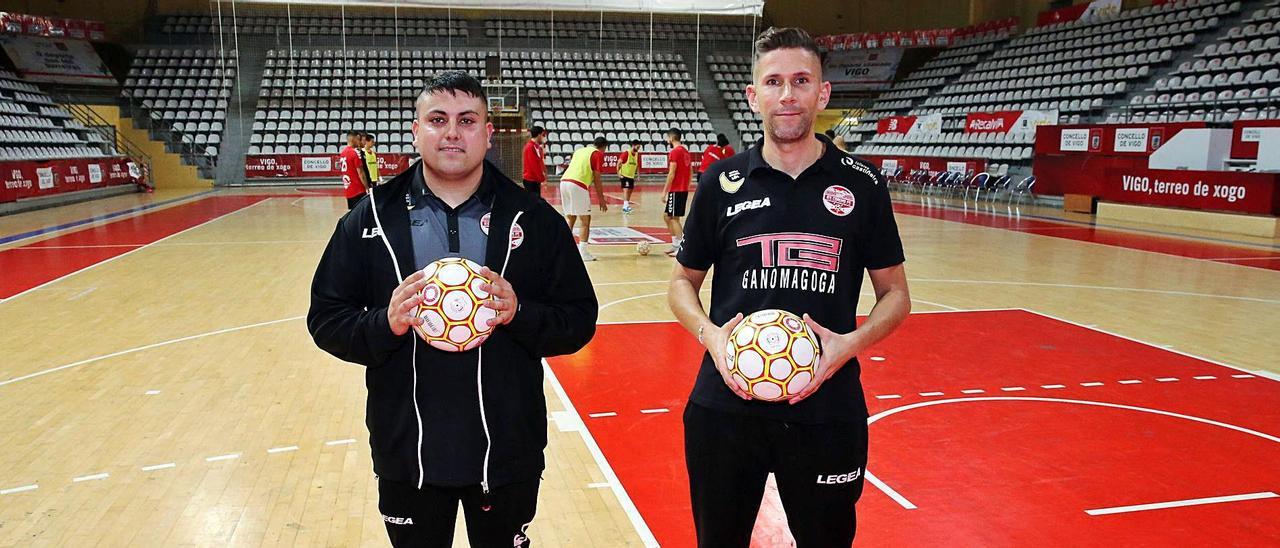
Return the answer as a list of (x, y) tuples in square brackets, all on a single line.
[(575, 197), (628, 167), (371, 158)]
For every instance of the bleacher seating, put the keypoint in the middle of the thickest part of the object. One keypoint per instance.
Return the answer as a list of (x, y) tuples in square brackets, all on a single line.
[(1237, 77), (732, 73), (1077, 67), (1005, 147), (308, 100), (620, 96), (35, 127), (184, 91), (571, 29), (922, 82), (429, 27)]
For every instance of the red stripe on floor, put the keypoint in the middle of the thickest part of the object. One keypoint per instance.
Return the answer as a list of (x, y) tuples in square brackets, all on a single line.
[(38, 263)]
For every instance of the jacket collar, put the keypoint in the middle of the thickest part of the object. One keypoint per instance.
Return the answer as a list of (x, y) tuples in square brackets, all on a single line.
[(396, 198)]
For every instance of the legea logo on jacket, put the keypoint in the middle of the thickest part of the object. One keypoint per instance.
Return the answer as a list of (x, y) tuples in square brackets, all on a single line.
[(371, 233)]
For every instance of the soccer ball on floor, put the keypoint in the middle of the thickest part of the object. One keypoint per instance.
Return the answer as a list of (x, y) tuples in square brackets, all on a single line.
[(772, 354), (452, 318), (643, 248)]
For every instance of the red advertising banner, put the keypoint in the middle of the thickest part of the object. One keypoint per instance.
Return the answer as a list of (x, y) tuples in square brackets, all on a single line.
[(36, 25), (312, 165), (1233, 191), (897, 125), (1075, 159), (1245, 135), (991, 122), (97, 30), (31, 179)]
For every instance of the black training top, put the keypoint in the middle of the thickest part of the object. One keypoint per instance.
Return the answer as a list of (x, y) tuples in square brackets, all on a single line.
[(800, 245)]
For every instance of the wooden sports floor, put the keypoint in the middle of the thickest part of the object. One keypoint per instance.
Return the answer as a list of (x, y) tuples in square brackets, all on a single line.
[(1059, 383)]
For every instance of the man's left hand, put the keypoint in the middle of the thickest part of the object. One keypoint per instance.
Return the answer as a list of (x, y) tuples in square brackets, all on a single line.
[(837, 348), (502, 297)]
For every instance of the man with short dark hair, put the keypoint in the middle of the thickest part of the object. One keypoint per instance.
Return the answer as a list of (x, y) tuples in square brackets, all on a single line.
[(792, 224), (675, 192), (351, 165), (715, 153), (535, 169), (453, 428)]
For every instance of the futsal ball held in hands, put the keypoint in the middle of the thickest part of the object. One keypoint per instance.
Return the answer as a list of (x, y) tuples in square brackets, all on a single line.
[(772, 354), (453, 319)]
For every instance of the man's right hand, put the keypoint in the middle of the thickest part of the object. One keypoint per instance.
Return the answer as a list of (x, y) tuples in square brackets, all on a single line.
[(404, 301), (716, 339)]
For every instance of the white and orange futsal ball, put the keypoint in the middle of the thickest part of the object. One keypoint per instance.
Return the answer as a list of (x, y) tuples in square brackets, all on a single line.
[(453, 319), (772, 354)]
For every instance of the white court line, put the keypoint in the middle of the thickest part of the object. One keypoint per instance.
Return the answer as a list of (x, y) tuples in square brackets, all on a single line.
[(155, 467), (1271, 376), (1013, 389), (340, 442), (893, 494), (653, 411), (147, 347), (973, 391), (152, 392), (230, 456), (1130, 381), (1052, 386), (598, 485), (602, 415), (275, 450), (629, 507), (1166, 379), (1242, 259), (877, 358), (638, 297), (888, 397), (1181, 503), (930, 394), (91, 477), (13, 490), (132, 251), (898, 497), (81, 294), (1243, 376), (1090, 384), (1205, 378)]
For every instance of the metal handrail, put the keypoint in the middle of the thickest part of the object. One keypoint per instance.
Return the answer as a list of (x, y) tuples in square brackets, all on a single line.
[(92, 121)]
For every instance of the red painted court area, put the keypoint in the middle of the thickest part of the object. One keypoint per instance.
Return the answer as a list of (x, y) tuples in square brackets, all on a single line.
[(993, 428), (32, 265)]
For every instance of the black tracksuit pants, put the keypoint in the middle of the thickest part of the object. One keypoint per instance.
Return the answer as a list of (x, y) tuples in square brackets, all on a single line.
[(819, 470), (424, 518)]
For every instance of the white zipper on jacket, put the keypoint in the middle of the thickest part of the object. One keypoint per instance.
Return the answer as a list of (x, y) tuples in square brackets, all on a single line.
[(395, 263), (484, 421)]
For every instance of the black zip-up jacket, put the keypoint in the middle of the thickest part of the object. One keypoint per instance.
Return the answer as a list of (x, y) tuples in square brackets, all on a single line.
[(424, 417)]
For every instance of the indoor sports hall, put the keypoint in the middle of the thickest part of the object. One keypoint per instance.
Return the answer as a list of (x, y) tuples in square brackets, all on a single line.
[(1085, 193)]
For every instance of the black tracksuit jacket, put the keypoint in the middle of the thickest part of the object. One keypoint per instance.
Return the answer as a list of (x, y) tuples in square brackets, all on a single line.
[(424, 416)]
